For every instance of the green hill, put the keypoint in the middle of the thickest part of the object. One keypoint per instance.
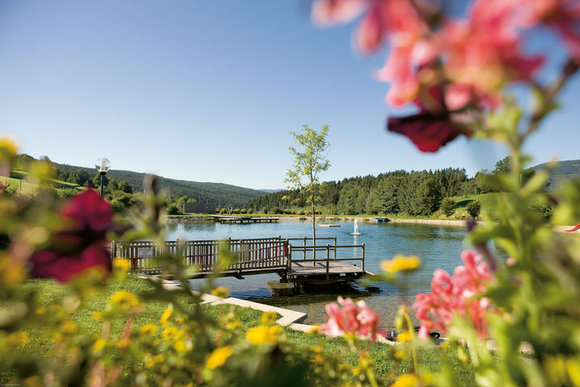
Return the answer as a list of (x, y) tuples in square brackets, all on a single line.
[(218, 194), (565, 170)]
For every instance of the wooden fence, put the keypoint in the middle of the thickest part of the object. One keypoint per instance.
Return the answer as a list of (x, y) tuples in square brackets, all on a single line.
[(249, 254)]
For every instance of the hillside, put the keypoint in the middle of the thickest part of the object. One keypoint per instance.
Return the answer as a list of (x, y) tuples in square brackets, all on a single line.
[(218, 194), (565, 170)]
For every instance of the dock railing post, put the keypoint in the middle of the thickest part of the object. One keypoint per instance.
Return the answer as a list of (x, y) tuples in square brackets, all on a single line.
[(363, 257), (335, 247), (328, 260)]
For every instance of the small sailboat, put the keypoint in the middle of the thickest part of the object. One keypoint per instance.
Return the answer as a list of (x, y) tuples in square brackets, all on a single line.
[(355, 232)]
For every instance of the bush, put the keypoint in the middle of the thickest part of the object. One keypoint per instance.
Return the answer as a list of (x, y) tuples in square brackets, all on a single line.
[(448, 206), (474, 208)]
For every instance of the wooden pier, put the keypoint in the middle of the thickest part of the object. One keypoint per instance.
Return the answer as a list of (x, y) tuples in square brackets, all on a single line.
[(291, 258), (244, 219)]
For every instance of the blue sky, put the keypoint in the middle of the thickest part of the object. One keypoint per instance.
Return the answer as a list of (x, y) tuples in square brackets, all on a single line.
[(209, 91)]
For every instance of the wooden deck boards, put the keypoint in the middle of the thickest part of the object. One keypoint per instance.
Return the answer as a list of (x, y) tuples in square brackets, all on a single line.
[(306, 269)]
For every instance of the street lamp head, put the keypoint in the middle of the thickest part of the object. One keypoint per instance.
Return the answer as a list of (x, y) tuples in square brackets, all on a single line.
[(103, 166)]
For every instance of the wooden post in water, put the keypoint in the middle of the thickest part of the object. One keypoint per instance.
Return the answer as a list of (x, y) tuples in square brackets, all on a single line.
[(328, 260), (363, 257)]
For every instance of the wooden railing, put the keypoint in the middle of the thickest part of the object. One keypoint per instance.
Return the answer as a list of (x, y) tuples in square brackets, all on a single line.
[(251, 254), (328, 254)]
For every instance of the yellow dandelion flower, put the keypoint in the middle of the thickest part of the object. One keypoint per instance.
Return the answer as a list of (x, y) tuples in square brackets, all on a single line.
[(234, 325), (401, 263), (403, 336), (218, 357), (269, 318), (98, 346), (406, 380), (166, 315), (400, 355), (169, 332), (180, 346), (121, 265), (125, 300), (220, 292), (263, 335), (68, 327), (148, 330)]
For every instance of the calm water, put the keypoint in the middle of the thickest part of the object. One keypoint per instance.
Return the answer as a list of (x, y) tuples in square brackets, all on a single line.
[(437, 246)]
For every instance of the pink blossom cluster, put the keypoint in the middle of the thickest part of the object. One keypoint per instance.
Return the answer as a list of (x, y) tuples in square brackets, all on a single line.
[(450, 69), (456, 295), (346, 316)]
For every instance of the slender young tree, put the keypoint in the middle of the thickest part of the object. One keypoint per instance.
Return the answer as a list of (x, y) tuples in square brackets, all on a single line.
[(309, 161)]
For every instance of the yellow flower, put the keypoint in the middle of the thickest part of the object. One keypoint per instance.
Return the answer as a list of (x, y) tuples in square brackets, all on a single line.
[(148, 330), (17, 339), (234, 325), (98, 346), (125, 300), (401, 263), (180, 346), (121, 265), (269, 318), (403, 336), (169, 332), (166, 315), (263, 335), (220, 292), (406, 380), (8, 148), (400, 355), (218, 357), (68, 327)]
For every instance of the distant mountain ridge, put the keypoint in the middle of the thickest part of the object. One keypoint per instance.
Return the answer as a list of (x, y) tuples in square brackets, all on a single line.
[(565, 170), (218, 194)]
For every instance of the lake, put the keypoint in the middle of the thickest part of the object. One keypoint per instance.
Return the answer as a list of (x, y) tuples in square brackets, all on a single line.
[(437, 246)]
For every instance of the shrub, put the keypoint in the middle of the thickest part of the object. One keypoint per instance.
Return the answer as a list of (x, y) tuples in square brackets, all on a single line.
[(474, 208), (448, 206)]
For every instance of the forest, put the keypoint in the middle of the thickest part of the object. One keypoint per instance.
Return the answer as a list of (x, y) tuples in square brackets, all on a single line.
[(415, 193), (218, 194)]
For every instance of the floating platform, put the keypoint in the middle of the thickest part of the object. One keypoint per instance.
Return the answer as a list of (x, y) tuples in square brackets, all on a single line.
[(328, 225), (244, 219)]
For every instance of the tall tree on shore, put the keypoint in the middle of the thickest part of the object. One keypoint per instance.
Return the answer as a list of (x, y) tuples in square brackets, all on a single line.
[(309, 161)]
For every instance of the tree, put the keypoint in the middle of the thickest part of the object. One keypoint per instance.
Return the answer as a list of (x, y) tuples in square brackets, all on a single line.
[(448, 206), (474, 208), (309, 161)]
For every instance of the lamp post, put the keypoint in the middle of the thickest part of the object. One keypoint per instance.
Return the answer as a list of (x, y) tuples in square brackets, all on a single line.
[(103, 166)]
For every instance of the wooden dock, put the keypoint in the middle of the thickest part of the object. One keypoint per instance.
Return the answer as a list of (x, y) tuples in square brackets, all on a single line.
[(244, 219), (291, 258)]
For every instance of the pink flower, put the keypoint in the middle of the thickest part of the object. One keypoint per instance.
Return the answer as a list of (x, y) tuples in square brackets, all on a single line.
[(348, 317), (457, 295), (329, 12), (563, 16), (81, 243), (434, 125)]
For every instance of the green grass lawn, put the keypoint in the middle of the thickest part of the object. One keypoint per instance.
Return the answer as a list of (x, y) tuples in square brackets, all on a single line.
[(48, 291)]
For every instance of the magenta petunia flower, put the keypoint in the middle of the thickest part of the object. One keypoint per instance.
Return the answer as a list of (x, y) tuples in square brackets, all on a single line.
[(81, 243)]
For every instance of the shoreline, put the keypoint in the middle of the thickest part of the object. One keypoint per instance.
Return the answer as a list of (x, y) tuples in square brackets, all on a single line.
[(347, 218)]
